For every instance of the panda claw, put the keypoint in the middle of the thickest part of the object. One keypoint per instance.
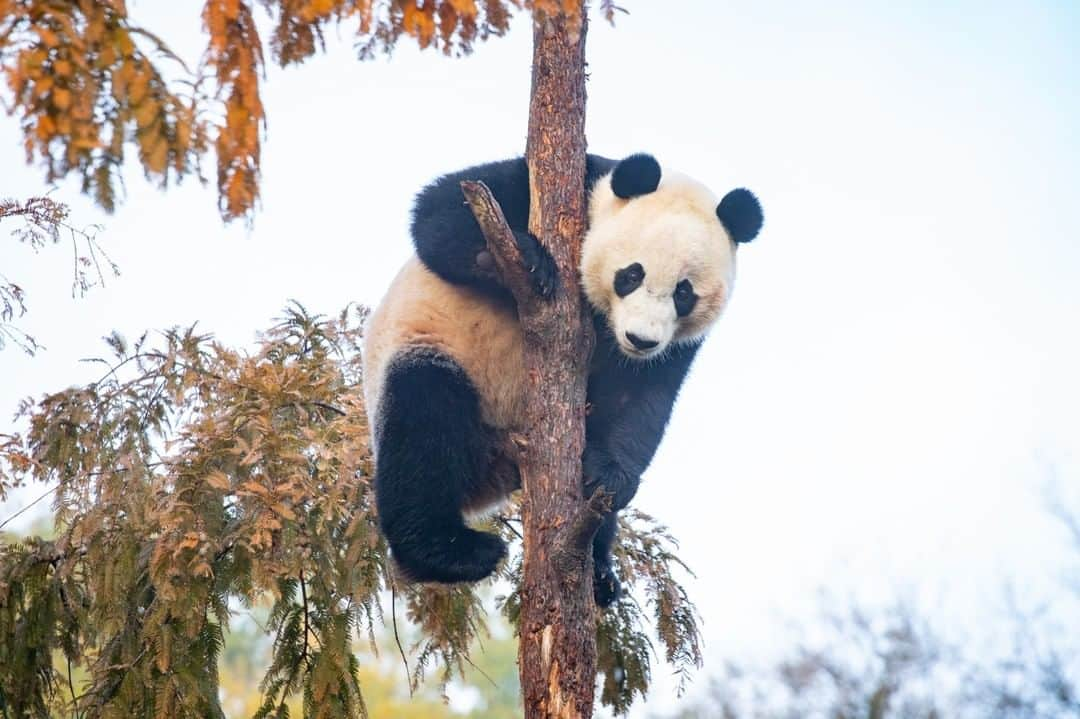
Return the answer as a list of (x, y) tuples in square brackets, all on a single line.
[(545, 277), (606, 587), (462, 555), (543, 274)]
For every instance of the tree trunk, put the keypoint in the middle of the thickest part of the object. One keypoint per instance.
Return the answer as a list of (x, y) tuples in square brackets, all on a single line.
[(557, 652)]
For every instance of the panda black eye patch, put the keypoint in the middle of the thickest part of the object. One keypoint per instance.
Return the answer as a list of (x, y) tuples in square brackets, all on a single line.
[(629, 279), (685, 298)]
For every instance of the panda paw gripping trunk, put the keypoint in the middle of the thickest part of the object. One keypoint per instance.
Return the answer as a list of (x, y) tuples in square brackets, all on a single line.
[(443, 354)]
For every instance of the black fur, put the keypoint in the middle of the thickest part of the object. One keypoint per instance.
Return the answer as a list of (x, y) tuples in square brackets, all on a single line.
[(740, 212), (685, 298), (628, 279), (447, 236), (636, 175), (433, 448), (630, 404), (539, 263), (606, 587)]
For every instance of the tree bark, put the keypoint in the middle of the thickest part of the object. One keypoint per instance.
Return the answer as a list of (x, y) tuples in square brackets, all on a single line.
[(557, 651)]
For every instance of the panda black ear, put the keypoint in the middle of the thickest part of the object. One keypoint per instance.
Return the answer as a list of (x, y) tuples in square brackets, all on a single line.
[(636, 175), (740, 213)]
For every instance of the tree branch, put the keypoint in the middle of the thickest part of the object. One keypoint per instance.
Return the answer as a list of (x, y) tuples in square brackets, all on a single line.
[(500, 241), (397, 639), (576, 539), (307, 630), (43, 496)]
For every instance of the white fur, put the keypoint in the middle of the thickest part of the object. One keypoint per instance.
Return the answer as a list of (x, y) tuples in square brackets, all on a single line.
[(479, 333), (675, 234)]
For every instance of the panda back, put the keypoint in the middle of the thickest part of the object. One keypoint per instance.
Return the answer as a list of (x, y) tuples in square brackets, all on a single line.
[(478, 331)]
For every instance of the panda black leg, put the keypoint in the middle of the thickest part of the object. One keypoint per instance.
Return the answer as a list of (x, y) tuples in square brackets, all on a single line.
[(430, 450), (606, 588)]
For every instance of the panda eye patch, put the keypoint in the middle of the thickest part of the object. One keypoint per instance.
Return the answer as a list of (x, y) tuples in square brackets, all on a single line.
[(629, 279), (685, 299)]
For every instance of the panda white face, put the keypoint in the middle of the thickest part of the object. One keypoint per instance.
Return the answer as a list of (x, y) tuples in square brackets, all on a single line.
[(659, 264)]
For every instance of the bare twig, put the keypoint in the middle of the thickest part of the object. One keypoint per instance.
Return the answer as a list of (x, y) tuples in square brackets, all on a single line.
[(480, 671), (160, 46), (71, 687), (397, 639), (303, 598), (43, 219), (506, 523), (90, 243), (43, 496), (330, 408)]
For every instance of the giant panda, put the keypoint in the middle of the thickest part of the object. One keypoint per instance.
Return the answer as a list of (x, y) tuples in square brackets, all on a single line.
[(442, 358)]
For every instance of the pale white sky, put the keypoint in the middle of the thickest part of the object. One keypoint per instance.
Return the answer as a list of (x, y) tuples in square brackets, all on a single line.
[(896, 377)]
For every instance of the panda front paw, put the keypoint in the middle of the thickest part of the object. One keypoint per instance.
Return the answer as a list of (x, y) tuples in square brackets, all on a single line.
[(606, 587), (538, 262), (602, 472)]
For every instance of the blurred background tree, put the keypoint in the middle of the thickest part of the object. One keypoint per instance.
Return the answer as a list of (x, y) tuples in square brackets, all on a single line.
[(892, 661)]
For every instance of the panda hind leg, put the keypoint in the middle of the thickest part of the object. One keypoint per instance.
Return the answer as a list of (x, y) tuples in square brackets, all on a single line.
[(431, 449)]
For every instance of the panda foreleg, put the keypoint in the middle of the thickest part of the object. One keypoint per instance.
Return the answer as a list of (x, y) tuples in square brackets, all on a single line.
[(631, 409), (448, 239), (604, 471), (606, 588), (601, 471), (431, 449)]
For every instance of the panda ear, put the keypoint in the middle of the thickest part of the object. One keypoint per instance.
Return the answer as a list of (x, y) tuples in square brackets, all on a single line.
[(636, 175), (740, 213)]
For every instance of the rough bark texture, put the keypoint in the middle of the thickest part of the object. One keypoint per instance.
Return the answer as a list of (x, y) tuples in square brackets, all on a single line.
[(557, 653)]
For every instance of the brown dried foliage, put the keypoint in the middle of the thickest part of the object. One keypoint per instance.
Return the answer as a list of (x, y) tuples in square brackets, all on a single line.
[(193, 480)]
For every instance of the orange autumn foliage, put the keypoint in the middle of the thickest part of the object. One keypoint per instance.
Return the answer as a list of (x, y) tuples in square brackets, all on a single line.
[(85, 90), (87, 82), (235, 55)]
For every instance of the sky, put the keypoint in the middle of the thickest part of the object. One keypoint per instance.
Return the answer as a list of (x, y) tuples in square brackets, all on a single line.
[(894, 383)]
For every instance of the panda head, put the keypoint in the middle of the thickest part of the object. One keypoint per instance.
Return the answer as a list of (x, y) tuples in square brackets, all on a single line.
[(658, 261)]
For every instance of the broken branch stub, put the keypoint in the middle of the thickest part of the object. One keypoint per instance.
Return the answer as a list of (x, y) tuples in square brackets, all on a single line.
[(500, 242)]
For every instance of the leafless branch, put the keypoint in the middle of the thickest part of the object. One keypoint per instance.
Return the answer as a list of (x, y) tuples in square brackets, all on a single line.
[(307, 629), (27, 507), (500, 241), (397, 639)]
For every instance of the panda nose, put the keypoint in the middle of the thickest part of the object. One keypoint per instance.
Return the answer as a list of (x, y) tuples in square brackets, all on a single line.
[(640, 342)]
